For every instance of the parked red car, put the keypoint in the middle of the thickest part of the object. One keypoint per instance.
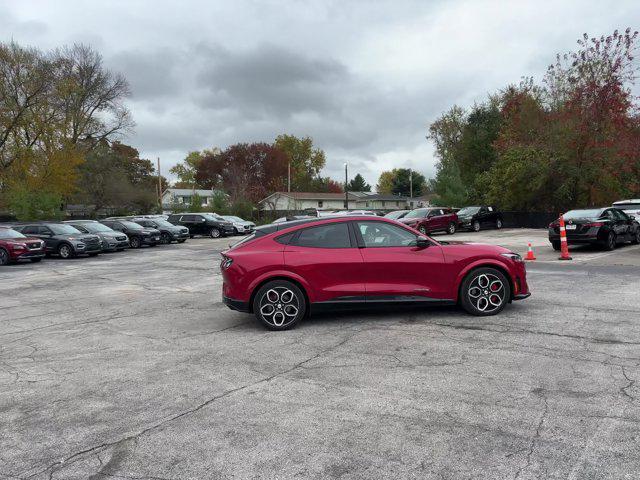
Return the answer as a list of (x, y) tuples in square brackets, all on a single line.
[(429, 220), (15, 246), (284, 271)]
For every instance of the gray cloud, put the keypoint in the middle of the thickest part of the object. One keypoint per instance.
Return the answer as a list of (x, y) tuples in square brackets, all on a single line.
[(364, 79)]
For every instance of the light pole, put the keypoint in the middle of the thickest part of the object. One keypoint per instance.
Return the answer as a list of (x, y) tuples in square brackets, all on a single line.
[(346, 193), (411, 184)]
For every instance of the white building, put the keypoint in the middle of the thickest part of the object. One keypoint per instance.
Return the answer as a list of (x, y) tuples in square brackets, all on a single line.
[(290, 201), (183, 196)]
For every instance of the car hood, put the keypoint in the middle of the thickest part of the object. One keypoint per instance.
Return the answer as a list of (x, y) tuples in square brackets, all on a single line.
[(410, 220), (473, 247), (83, 237)]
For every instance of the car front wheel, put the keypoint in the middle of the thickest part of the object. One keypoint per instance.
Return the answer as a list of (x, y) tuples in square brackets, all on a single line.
[(134, 242), (4, 257), (165, 238), (65, 251), (451, 229), (484, 292), (475, 226), (279, 305), (422, 229)]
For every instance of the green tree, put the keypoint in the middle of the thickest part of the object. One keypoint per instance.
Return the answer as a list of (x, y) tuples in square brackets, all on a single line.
[(196, 203), (401, 181), (186, 171), (306, 161), (358, 184), (35, 205)]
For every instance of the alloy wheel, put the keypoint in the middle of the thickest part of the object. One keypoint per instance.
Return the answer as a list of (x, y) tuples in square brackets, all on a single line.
[(279, 306), (476, 226), (214, 233), (611, 241), (4, 257), (422, 229), (486, 292), (65, 251), (452, 229), (135, 242), (498, 224), (164, 238)]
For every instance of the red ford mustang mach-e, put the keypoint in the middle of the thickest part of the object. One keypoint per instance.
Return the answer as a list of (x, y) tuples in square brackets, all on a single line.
[(284, 271)]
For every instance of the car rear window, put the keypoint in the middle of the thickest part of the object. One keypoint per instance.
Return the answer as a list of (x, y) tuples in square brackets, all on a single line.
[(332, 235)]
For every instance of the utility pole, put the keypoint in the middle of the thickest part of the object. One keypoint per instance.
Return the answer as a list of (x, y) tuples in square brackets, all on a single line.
[(411, 184), (346, 193), (159, 186), (289, 176)]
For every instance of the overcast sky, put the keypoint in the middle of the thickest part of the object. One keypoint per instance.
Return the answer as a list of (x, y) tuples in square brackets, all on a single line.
[(364, 79)]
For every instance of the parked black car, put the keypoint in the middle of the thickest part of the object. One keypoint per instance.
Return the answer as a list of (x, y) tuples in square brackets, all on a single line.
[(112, 241), (138, 235), (168, 231), (61, 239), (480, 216), (606, 227), (202, 224)]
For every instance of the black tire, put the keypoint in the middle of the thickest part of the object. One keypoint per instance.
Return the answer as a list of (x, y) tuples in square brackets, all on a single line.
[(293, 299), (556, 246), (4, 257), (182, 240), (635, 240), (35, 260), (134, 242), (475, 226), (499, 223), (66, 251), (93, 254), (215, 233), (235, 231), (422, 229), (165, 239), (153, 245), (611, 242), (451, 229), (190, 236), (477, 294)]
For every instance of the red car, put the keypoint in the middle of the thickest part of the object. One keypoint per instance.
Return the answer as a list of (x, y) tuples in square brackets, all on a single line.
[(284, 271), (433, 219), (15, 246)]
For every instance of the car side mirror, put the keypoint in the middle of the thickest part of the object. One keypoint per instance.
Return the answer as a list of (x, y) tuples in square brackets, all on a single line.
[(422, 242)]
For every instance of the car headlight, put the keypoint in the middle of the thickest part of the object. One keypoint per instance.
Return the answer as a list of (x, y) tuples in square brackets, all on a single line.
[(226, 263), (513, 256)]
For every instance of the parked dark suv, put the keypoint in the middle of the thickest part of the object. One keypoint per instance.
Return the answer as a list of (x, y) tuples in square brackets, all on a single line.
[(111, 240), (14, 246), (606, 227), (480, 216), (168, 231), (62, 239), (202, 224), (138, 235)]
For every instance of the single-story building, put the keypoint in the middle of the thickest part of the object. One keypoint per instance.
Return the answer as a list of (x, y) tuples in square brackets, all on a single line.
[(296, 201), (183, 196)]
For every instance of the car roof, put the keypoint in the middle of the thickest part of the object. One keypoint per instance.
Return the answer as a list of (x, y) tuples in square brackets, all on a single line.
[(276, 227)]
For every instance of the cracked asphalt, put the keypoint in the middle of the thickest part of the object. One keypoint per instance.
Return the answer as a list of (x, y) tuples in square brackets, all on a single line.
[(128, 366)]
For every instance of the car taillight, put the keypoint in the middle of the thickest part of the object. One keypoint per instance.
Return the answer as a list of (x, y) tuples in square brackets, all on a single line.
[(594, 224), (554, 224)]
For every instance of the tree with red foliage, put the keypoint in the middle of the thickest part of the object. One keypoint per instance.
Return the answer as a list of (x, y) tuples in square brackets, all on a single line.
[(245, 171)]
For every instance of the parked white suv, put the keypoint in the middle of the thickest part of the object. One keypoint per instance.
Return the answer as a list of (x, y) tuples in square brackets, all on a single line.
[(630, 207)]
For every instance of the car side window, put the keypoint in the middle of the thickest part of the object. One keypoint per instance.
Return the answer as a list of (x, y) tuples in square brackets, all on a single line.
[(187, 218), (44, 230), (81, 228), (382, 234), (332, 235), (30, 230), (620, 215)]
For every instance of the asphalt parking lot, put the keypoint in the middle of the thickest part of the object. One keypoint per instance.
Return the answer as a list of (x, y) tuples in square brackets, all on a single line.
[(129, 366)]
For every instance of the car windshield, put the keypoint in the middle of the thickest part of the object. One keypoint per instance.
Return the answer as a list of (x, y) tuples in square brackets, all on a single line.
[(231, 218), (468, 211), (575, 214), (162, 223), (628, 206), (212, 216), (131, 225), (10, 233), (96, 227), (395, 215), (417, 213), (63, 229)]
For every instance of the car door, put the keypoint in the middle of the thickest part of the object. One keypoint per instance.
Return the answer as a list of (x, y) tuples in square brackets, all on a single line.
[(623, 224), (395, 268), (483, 215), (328, 258), (432, 220), (45, 233)]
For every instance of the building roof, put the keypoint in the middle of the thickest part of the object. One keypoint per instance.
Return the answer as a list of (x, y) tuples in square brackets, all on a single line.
[(368, 196)]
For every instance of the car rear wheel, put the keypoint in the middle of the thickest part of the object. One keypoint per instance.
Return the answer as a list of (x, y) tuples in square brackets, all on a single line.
[(610, 242), (556, 246), (279, 305), (498, 224), (636, 238), (422, 229), (485, 292), (214, 233), (4, 257), (65, 251), (35, 260), (475, 226), (451, 229), (165, 238), (182, 240), (134, 242)]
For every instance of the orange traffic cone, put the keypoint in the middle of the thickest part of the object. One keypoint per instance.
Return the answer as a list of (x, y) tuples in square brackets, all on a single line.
[(530, 255), (564, 246)]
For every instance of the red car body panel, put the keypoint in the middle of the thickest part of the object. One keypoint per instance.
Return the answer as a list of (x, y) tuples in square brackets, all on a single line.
[(369, 274)]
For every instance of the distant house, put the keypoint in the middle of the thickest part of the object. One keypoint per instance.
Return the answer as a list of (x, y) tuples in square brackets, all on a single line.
[(183, 196), (289, 201)]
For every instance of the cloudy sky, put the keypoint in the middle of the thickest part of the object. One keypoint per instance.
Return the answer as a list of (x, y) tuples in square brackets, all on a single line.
[(364, 79)]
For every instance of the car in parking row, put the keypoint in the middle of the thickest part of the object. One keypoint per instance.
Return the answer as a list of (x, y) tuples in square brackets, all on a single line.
[(138, 235), (14, 246), (431, 219), (208, 224), (62, 239), (112, 241)]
